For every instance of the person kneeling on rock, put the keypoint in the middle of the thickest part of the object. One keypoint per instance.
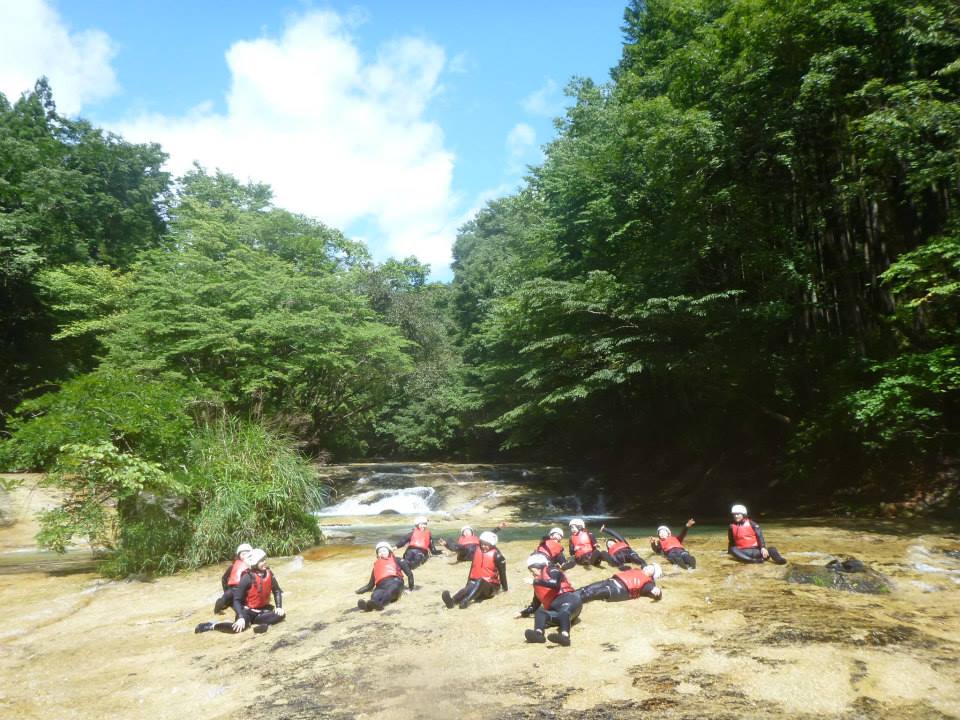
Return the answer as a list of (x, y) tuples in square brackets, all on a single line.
[(421, 543), (488, 573), (626, 585), (555, 603), (745, 540), (386, 579), (670, 545), (231, 578), (251, 599)]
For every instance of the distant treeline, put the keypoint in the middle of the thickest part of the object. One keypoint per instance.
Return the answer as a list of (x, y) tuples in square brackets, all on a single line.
[(738, 266)]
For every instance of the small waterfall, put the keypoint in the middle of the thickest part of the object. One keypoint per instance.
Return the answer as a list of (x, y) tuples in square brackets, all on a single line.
[(417, 500)]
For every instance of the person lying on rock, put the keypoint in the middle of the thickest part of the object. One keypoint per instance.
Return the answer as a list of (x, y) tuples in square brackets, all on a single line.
[(555, 602), (420, 541), (466, 544), (488, 573), (628, 584), (231, 578), (671, 546), (619, 552), (583, 546), (551, 546), (251, 599), (386, 579), (745, 540)]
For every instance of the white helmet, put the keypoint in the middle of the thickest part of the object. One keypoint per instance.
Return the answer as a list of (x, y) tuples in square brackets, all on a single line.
[(244, 547), (555, 531), (255, 557), (420, 520), (663, 527), (537, 560), (577, 522), (382, 544), (465, 528), (657, 571), (738, 510), (488, 537)]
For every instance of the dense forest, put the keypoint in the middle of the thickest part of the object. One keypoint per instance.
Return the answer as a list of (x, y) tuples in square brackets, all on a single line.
[(738, 266)]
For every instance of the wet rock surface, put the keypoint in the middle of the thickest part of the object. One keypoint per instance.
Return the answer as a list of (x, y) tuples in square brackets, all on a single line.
[(850, 575)]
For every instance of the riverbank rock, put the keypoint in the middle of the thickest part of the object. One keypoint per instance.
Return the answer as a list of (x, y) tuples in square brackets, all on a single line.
[(850, 574)]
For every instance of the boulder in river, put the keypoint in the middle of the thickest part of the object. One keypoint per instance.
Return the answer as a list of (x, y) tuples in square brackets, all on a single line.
[(850, 574)]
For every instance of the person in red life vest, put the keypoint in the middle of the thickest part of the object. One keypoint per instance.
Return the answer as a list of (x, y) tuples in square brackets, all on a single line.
[(488, 573), (420, 541), (551, 546), (583, 546), (745, 540), (619, 552), (251, 599), (231, 577), (466, 544), (386, 579), (555, 602), (627, 584), (670, 545)]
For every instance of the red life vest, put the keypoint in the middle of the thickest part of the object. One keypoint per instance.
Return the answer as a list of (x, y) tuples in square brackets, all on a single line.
[(550, 547), (484, 566), (546, 595), (260, 589), (670, 542), (744, 535), (384, 568), (634, 580), (420, 539), (236, 570), (468, 540), (617, 547), (581, 543)]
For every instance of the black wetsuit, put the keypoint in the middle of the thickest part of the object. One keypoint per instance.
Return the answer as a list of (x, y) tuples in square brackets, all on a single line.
[(464, 552), (479, 590), (387, 590), (677, 556), (558, 559), (752, 555), (415, 556), (225, 600), (621, 557), (590, 559), (613, 590), (564, 609), (261, 616)]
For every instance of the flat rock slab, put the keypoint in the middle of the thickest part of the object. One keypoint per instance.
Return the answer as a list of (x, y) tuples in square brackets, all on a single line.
[(850, 575)]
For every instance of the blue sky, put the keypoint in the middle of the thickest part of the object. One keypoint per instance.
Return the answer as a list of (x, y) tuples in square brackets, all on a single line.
[(393, 121)]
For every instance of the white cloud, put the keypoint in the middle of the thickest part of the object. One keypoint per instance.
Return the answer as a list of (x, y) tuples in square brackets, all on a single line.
[(521, 142), (546, 101), (34, 41), (339, 136)]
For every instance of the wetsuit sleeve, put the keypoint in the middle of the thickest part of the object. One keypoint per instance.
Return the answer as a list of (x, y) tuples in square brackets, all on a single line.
[(729, 538), (756, 529), (226, 577), (369, 586), (553, 583), (405, 566), (405, 539), (655, 546), (614, 534), (433, 547), (240, 594), (454, 546), (532, 607), (593, 540), (683, 533), (277, 593), (502, 569)]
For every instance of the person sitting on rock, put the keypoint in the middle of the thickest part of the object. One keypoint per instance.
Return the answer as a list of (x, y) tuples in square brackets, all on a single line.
[(619, 552), (745, 540), (555, 602), (421, 542), (231, 578), (466, 544), (488, 573), (551, 546), (670, 545), (583, 546), (386, 579), (251, 599), (627, 584)]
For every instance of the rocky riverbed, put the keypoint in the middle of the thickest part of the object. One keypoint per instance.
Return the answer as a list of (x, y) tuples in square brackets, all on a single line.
[(727, 641)]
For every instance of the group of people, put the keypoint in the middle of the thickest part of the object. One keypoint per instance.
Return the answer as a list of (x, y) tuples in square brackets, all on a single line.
[(249, 584)]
